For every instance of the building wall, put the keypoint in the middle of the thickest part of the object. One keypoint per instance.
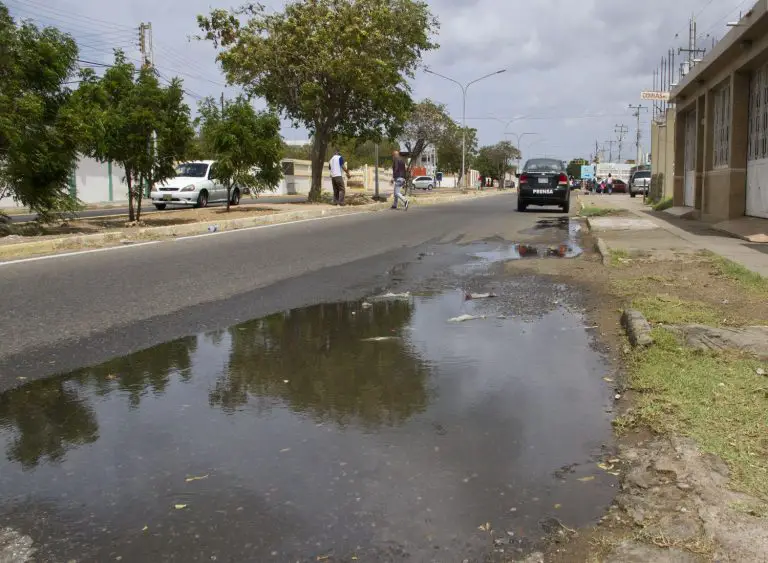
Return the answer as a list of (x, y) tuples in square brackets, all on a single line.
[(720, 191)]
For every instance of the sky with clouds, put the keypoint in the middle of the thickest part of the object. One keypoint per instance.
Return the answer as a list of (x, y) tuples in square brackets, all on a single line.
[(572, 66)]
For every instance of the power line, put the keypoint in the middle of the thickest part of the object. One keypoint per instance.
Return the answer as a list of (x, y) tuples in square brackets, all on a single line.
[(68, 15)]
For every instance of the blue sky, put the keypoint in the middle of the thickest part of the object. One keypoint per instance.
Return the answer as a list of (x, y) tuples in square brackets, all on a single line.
[(572, 66)]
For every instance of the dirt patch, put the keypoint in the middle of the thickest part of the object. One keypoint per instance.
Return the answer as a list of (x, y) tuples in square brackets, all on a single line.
[(161, 219), (694, 452)]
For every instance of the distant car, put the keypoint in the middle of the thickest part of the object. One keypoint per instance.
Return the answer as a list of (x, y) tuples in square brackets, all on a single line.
[(640, 183), (619, 186), (195, 185), (544, 181), (423, 183)]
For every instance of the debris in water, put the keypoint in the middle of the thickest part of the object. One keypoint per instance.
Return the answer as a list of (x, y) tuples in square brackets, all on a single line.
[(469, 296), (198, 478), (463, 318), (380, 338), (390, 295)]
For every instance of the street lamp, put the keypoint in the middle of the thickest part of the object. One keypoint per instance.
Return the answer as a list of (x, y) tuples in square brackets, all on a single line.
[(517, 145), (464, 88)]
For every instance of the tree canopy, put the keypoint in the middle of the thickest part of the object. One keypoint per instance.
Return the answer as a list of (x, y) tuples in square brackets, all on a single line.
[(131, 119), (495, 161), (449, 148), (38, 139), (336, 67), (574, 167), (245, 144)]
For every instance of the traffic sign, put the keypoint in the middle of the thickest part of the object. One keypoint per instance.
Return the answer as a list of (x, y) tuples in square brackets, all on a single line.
[(587, 172), (658, 96)]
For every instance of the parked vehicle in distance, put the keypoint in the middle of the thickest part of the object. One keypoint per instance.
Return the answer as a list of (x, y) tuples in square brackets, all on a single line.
[(619, 186), (544, 181), (640, 183), (423, 183), (195, 185)]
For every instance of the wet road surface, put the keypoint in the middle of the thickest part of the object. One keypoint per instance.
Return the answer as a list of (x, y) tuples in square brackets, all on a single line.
[(389, 427)]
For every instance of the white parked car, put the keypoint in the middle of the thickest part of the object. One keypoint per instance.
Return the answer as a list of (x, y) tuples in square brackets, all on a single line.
[(423, 183), (194, 186)]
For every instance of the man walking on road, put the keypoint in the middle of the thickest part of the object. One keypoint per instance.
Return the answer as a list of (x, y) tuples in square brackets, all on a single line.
[(337, 166), (398, 179)]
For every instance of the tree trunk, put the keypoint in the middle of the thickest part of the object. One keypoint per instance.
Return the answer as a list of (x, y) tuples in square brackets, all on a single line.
[(139, 196), (129, 181), (319, 149)]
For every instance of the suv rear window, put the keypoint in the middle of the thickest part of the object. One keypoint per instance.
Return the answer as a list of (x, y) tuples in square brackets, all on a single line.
[(543, 165)]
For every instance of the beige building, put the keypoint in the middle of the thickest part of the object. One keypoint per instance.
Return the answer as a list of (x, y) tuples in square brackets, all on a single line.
[(721, 127)]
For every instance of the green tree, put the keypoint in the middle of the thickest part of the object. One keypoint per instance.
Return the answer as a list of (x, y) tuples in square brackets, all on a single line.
[(449, 149), (428, 124), (245, 144), (494, 161), (135, 122), (574, 167), (38, 138), (337, 67), (300, 152)]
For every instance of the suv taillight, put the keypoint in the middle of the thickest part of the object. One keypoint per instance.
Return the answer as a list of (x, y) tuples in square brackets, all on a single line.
[(562, 180), (524, 179)]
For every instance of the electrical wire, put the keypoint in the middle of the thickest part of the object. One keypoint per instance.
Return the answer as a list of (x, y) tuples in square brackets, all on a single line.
[(38, 7)]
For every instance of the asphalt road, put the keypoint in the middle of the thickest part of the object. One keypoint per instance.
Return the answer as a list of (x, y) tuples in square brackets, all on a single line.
[(149, 208), (68, 312)]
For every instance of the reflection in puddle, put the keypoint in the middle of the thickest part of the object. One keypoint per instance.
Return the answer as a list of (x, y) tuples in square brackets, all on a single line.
[(569, 248), (381, 432)]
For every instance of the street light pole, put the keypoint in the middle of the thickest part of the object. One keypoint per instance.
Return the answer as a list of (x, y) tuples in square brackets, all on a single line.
[(519, 151), (464, 88)]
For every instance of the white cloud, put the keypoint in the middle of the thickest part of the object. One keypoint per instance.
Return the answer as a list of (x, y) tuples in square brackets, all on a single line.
[(565, 59)]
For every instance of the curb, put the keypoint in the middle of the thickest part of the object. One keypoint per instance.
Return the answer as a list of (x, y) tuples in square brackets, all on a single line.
[(49, 246), (638, 329), (602, 250)]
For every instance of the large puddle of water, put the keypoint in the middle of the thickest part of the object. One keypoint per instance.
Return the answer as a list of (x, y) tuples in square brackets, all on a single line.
[(372, 430)]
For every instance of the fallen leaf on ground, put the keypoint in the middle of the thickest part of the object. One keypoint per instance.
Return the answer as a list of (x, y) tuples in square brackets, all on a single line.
[(198, 478), (585, 479), (179, 506)]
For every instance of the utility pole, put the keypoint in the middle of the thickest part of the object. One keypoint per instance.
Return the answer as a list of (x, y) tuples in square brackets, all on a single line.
[(692, 50), (146, 45), (638, 108), (621, 130), (610, 149), (222, 104)]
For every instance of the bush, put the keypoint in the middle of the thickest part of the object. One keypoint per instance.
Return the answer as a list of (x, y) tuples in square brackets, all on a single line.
[(665, 203)]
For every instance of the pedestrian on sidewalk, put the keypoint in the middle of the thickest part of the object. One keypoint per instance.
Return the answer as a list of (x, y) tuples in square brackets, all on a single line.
[(398, 180), (609, 184), (338, 167)]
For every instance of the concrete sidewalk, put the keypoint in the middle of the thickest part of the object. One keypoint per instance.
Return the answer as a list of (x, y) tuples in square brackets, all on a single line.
[(659, 233)]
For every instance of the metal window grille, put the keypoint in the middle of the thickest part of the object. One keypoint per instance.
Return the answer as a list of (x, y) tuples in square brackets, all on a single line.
[(722, 126)]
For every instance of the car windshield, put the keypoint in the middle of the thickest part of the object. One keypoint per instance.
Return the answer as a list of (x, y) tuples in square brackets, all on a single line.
[(643, 175), (543, 165), (192, 169), (423, 178)]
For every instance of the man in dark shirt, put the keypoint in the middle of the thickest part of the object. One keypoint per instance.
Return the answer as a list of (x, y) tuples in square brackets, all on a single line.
[(398, 179)]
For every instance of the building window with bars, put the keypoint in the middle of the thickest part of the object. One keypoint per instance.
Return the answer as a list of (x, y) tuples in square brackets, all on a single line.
[(758, 115), (721, 126)]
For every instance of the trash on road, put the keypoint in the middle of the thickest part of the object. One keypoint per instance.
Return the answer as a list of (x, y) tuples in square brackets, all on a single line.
[(196, 478), (179, 506), (464, 318), (213, 228), (381, 338), (469, 296)]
